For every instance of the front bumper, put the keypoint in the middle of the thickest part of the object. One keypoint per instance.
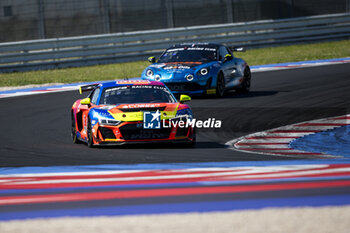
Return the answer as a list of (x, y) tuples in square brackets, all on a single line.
[(191, 87), (120, 143), (133, 132)]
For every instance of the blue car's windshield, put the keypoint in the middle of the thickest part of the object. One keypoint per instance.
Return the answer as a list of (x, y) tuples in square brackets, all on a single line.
[(184, 54), (136, 94)]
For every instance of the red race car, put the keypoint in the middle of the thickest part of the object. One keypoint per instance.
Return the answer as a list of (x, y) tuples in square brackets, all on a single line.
[(126, 111)]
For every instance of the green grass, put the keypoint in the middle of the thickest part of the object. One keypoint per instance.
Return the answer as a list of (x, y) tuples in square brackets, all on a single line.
[(133, 69), (295, 53)]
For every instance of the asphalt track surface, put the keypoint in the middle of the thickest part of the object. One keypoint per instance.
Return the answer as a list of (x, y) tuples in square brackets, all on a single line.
[(35, 130)]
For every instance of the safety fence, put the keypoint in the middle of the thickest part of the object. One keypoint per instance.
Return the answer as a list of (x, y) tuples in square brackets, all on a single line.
[(132, 46)]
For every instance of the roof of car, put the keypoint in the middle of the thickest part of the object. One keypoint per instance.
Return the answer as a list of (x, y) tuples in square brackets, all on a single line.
[(130, 82)]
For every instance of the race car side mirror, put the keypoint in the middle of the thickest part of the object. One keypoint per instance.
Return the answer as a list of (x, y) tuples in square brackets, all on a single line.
[(152, 59), (184, 98), (85, 101), (227, 57)]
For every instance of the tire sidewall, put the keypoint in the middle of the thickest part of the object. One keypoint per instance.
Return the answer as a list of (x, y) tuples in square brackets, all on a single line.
[(90, 141), (220, 81), (247, 76), (74, 131), (245, 88)]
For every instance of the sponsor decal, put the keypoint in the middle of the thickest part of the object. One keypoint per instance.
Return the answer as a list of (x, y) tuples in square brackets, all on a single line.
[(115, 89), (211, 91), (134, 82), (191, 48), (141, 105), (85, 120), (149, 87), (177, 87), (202, 49), (179, 67)]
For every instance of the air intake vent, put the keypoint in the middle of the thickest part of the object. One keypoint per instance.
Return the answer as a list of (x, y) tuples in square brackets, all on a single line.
[(107, 133)]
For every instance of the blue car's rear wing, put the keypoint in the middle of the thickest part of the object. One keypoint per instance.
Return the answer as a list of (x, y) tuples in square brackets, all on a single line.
[(89, 87)]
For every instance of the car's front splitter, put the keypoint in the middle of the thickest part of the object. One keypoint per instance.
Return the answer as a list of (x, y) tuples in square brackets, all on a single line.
[(133, 142)]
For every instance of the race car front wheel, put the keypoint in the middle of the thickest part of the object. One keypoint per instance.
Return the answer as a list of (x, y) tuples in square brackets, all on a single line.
[(220, 85), (90, 138), (193, 142)]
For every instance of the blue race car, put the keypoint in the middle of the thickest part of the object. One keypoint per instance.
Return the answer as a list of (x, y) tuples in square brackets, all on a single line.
[(199, 69)]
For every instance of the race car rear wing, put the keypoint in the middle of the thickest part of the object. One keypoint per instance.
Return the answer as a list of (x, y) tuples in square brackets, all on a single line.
[(89, 87)]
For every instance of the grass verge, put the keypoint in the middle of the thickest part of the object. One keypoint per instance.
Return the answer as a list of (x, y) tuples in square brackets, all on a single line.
[(261, 56)]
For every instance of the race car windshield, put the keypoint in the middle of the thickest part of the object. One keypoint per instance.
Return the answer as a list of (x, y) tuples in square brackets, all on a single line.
[(136, 94), (184, 54)]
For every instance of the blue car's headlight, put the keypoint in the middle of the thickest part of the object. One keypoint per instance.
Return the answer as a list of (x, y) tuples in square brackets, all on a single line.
[(189, 77), (149, 73), (203, 71), (157, 77)]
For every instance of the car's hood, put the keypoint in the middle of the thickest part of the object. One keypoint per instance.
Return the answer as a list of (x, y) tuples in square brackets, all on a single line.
[(178, 70), (179, 65), (134, 112)]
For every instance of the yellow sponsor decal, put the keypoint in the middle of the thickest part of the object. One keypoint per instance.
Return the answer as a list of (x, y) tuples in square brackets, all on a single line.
[(111, 140), (211, 91), (138, 116)]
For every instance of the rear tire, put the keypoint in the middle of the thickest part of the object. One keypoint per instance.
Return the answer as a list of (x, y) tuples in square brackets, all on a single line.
[(245, 88), (74, 131), (220, 85), (90, 141)]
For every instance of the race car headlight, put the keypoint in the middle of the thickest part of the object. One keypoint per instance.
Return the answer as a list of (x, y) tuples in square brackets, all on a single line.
[(108, 122), (149, 73), (157, 77), (189, 77), (204, 71)]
